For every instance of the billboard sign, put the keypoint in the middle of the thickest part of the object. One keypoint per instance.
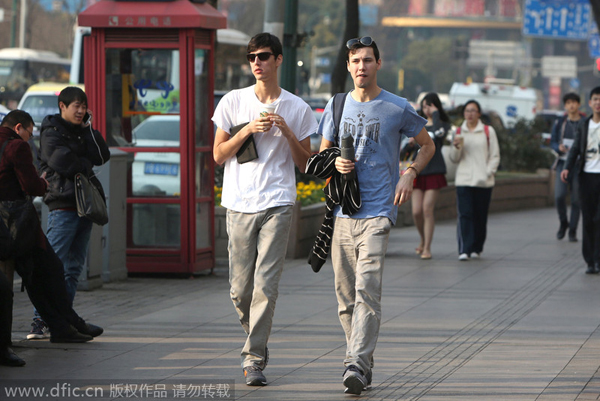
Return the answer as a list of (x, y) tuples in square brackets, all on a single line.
[(558, 19)]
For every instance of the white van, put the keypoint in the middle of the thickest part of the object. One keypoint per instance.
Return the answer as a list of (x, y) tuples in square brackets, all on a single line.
[(511, 102)]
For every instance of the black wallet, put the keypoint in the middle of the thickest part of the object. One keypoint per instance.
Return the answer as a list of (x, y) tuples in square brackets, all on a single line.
[(247, 152)]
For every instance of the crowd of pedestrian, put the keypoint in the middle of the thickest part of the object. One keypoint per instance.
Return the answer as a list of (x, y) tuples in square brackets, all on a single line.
[(363, 193)]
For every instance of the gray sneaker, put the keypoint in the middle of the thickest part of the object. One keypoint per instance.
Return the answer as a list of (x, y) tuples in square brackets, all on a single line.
[(39, 330), (354, 380), (254, 376)]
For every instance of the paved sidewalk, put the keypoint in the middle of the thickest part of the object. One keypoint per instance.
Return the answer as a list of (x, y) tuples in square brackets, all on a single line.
[(522, 323)]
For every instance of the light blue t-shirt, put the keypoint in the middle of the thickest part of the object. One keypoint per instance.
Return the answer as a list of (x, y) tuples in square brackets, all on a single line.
[(377, 127)]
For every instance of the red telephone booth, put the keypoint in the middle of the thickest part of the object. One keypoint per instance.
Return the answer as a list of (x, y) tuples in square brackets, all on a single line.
[(149, 80)]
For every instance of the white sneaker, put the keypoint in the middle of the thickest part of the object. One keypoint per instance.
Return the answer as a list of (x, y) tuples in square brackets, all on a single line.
[(463, 256), (475, 255)]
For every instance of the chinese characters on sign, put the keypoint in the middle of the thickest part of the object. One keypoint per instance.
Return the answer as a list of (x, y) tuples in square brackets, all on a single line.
[(139, 22)]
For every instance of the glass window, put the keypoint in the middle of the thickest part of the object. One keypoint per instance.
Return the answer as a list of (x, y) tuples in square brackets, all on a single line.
[(203, 172), (203, 128), (142, 95), (156, 225), (203, 239)]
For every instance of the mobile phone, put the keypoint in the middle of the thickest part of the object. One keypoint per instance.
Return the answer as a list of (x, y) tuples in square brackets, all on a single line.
[(87, 118)]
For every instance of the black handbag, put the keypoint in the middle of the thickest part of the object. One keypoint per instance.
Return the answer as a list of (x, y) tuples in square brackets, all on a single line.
[(90, 202), (19, 226)]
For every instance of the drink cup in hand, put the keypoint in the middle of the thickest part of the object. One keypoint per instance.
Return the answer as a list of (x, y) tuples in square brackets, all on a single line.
[(459, 141), (267, 109)]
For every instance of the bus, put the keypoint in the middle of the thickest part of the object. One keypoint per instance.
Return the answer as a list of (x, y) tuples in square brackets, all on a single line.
[(20, 68)]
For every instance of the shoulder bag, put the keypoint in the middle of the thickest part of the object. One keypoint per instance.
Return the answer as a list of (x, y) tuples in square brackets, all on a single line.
[(90, 202)]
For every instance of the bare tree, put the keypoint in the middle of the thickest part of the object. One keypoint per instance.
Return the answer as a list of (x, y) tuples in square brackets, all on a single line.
[(338, 78)]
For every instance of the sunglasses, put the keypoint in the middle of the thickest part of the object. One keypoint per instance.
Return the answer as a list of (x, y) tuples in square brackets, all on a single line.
[(365, 41), (264, 56)]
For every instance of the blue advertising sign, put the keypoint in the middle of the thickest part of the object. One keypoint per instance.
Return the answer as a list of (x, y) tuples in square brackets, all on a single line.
[(594, 41), (559, 19), (594, 45)]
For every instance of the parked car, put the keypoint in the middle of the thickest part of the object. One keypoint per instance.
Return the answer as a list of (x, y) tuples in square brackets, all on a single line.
[(156, 173)]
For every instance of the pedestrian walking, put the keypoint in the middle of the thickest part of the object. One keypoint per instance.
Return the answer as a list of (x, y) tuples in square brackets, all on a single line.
[(375, 119), (429, 182), (475, 149), (563, 136), (586, 147), (262, 132)]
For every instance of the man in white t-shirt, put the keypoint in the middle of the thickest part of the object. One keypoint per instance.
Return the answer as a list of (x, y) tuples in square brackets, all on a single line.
[(259, 194), (587, 148)]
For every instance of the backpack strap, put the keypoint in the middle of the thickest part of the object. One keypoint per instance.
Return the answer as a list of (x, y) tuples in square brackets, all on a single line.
[(486, 129), (339, 100)]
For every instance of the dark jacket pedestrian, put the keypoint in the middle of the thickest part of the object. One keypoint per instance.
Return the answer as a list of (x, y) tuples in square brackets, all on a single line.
[(41, 270)]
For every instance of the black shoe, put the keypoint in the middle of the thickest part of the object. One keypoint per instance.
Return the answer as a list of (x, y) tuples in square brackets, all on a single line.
[(560, 234), (9, 358), (69, 336), (354, 380), (572, 236), (90, 329), (592, 269)]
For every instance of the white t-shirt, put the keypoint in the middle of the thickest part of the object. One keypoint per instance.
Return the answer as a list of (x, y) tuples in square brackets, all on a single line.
[(270, 180), (592, 156)]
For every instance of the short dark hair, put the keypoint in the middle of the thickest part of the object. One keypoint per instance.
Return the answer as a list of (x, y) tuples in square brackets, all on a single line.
[(472, 101), (595, 91), (17, 117), (359, 45), (571, 96), (72, 94), (263, 40)]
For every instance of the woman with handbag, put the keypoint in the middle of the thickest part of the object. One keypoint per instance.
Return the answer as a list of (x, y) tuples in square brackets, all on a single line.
[(475, 149), (69, 146), (34, 259)]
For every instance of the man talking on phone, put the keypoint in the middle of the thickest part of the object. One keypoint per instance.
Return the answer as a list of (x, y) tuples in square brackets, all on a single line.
[(68, 145)]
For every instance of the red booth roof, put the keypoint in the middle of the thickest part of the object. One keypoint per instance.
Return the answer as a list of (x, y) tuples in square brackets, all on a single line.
[(151, 14)]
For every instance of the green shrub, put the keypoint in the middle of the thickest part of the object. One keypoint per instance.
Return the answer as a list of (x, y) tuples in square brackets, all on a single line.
[(521, 147)]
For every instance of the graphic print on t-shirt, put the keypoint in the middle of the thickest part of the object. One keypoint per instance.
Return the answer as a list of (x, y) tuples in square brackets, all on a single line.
[(593, 148), (365, 132)]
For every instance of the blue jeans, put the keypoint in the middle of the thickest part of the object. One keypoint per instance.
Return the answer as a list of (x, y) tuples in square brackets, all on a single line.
[(561, 190), (69, 236)]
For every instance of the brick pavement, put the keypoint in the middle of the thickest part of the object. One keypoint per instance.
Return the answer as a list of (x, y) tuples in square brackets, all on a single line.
[(519, 324)]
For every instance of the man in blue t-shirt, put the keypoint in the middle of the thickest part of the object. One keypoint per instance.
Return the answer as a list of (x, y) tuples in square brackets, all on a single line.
[(376, 119)]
